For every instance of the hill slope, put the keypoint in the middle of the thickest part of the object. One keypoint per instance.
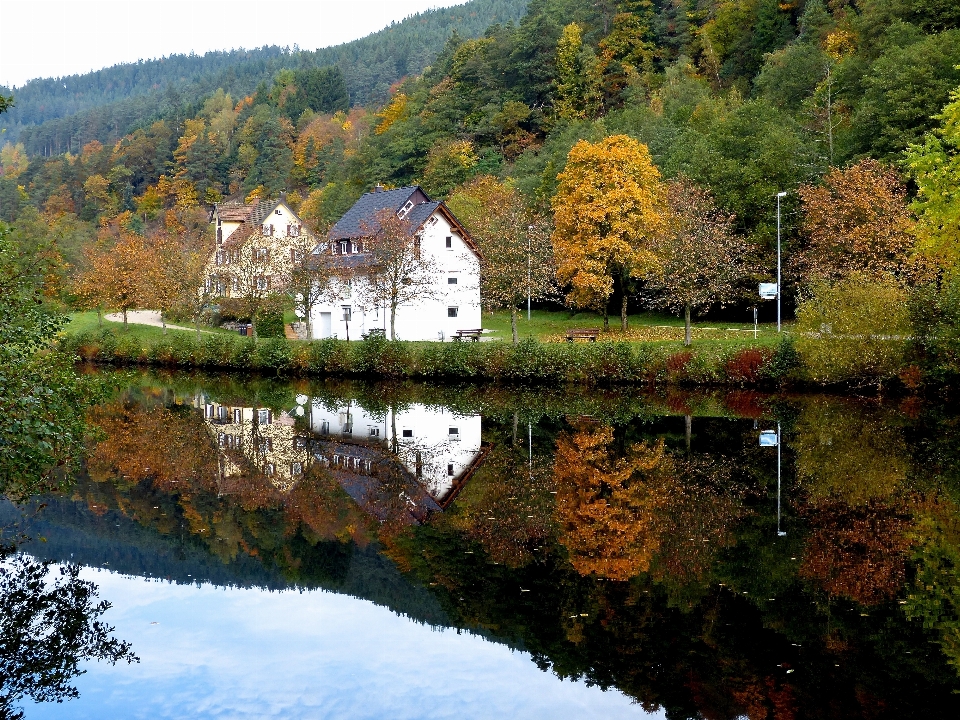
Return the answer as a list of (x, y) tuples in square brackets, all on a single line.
[(53, 114)]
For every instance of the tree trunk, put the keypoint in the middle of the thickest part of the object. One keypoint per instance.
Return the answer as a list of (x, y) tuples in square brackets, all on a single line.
[(163, 324), (124, 318), (100, 318), (623, 311), (688, 429), (306, 322), (393, 321), (513, 322), (687, 339), (196, 322), (606, 317), (513, 441)]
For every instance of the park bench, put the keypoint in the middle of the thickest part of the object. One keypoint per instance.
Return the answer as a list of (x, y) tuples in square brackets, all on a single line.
[(467, 334), (583, 334)]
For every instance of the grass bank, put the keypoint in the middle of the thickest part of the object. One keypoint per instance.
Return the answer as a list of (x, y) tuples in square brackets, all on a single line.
[(741, 361)]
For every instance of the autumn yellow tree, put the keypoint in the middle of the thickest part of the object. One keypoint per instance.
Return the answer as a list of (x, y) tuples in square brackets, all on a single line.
[(606, 501), (607, 213), (514, 242)]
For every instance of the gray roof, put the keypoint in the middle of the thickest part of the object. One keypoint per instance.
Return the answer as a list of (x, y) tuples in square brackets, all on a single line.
[(364, 211)]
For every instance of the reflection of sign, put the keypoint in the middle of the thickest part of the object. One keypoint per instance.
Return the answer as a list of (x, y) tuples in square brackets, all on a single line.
[(768, 291), (768, 438)]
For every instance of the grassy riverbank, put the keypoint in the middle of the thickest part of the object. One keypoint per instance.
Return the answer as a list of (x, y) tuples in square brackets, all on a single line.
[(735, 361)]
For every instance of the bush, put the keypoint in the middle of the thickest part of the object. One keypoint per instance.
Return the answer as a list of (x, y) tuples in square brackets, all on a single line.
[(269, 323), (747, 366), (855, 331)]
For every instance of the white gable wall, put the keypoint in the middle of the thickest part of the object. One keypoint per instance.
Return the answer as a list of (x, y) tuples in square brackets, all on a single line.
[(428, 319)]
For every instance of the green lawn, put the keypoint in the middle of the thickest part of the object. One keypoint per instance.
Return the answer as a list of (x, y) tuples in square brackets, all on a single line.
[(646, 327), (87, 322)]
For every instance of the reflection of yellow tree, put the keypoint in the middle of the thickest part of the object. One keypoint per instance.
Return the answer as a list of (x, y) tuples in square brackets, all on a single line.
[(606, 501), (848, 451)]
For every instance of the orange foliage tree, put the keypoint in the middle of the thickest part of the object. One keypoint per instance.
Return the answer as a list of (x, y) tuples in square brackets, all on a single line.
[(606, 501), (515, 244), (607, 213), (117, 275), (856, 221)]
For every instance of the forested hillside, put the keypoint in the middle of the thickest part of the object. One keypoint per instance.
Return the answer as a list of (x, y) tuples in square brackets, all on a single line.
[(108, 103), (741, 98)]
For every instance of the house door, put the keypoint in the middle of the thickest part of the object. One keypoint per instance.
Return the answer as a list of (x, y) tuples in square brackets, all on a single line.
[(326, 326)]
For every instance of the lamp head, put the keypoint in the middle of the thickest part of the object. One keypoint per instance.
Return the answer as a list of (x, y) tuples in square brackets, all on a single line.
[(782, 194)]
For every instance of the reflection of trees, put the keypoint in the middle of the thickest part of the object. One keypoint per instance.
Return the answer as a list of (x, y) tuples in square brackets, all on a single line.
[(858, 552), (507, 507), (606, 500), (848, 451), (48, 626)]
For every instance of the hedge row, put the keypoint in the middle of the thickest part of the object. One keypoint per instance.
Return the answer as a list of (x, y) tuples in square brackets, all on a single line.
[(530, 361)]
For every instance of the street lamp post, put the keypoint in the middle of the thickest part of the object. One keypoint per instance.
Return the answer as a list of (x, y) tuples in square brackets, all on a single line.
[(529, 233), (779, 289)]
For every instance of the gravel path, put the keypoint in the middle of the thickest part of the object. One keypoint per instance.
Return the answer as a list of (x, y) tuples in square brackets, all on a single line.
[(146, 317)]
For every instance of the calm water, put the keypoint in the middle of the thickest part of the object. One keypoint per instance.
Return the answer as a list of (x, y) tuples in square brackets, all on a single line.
[(357, 551)]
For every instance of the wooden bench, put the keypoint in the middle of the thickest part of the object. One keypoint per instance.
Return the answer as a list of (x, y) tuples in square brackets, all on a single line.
[(583, 334), (467, 334)]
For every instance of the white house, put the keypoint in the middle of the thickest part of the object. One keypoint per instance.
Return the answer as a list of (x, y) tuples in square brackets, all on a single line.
[(444, 244)]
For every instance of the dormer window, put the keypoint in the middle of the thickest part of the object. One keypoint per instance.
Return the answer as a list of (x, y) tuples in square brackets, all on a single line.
[(432, 221), (405, 210), (344, 247)]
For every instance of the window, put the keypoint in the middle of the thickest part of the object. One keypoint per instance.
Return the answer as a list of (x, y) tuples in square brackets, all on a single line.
[(453, 431), (408, 433), (432, 221), (237, 416), (452, 280), (296, 255), (449, 242), (263, 416), (325, 427), (348, 428), (374, 432), (263, 283), (452, 311), (344, 245), (221, 439), (269, 469), (347, 313), (450, 469), (416, 246), (277, 212), (402, 212), (296, 468)]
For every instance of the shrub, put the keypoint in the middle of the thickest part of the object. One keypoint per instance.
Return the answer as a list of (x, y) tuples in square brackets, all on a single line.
[(269, 323), (747, 366), (854, 331), (677, 365)]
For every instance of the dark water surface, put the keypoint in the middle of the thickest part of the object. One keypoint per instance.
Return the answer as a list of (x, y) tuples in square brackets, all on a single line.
[(359, 551)]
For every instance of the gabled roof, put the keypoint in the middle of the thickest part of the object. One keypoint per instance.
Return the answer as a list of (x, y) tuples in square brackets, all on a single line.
[(251, 218), (364, 211), (360, 220)]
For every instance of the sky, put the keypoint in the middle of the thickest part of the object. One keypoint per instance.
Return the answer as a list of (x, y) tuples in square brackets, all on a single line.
[(209, 653), (55, 38)]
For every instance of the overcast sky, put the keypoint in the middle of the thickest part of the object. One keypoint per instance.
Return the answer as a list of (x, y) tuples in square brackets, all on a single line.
[(53, 38)]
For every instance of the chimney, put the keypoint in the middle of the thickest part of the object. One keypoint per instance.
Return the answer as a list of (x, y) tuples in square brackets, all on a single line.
[(378, 188)]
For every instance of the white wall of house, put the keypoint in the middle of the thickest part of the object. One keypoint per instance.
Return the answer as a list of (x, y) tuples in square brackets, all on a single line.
[(456, 305), (447, 443)]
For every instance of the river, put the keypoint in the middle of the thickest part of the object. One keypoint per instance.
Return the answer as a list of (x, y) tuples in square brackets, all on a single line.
[(343, 550)]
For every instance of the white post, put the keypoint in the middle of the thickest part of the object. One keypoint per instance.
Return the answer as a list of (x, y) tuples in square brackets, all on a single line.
[(530, 446), (779, 293)]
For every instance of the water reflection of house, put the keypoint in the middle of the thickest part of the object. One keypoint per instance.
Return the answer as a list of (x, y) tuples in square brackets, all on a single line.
[(437, 448), (399, 465), (255, 438)]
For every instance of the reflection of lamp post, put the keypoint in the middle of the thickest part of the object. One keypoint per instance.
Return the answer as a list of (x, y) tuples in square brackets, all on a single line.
[(771, 438), (779, 288), (529, 264)]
